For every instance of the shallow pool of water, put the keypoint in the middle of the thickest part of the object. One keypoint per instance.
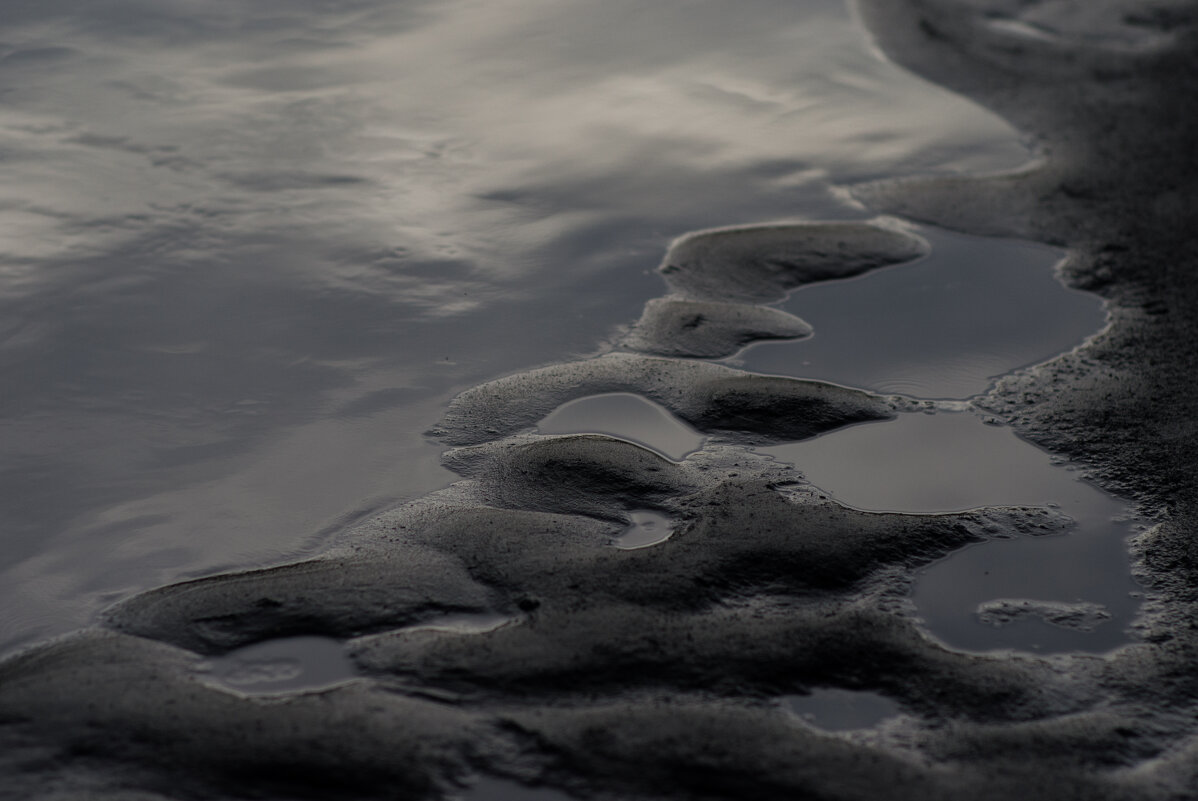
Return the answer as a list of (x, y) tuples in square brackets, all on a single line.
[(840, 710), (280, 666), (627, 416), (948, 462), (491, 789), (647, 528), (943, 327)]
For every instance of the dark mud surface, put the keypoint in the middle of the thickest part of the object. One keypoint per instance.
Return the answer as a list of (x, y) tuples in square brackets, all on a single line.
[(495, 629)]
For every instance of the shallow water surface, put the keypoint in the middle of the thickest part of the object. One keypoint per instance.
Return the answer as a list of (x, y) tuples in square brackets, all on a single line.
[(840, 710), (948, 462), (284, 665), (248, 251), (627, 416), (943, 327), (646, 529)]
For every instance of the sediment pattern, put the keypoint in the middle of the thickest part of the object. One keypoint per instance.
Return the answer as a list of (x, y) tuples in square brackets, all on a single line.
[(655, 672)]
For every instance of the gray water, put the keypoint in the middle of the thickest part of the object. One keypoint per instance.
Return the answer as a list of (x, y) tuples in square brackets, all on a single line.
[(832, 709), (491, 789), (286, 665), (975, 308), (647, 528), (281, 666), (955, 461), (627, 416), (248, 251), (944, 462)]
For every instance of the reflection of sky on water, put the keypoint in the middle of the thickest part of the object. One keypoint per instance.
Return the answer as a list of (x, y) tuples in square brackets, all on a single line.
[(947, 462), (833, 709), (627, 416), (285, 665), (247, 250), (942, 327)]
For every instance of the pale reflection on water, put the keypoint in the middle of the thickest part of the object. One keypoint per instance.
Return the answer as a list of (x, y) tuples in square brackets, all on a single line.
[(283, 666), (840, 710), (248, 251), (943, 327), (951, 462), (627, 416)]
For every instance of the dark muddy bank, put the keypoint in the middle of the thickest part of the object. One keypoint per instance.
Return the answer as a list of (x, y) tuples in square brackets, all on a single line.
[(670, 671)]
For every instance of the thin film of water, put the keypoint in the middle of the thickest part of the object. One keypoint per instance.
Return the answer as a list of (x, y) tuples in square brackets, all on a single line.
[(837, 710), (282, 665), (626, 416), (489, 788)]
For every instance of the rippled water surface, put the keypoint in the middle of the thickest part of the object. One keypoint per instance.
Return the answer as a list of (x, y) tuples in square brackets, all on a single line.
[(249, 250)]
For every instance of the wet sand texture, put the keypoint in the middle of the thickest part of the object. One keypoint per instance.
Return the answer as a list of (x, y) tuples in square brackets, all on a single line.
[(708, 330), (655, 672), (713, 398)]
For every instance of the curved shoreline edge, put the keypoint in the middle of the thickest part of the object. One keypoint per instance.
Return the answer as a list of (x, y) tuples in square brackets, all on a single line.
[(655, 672)]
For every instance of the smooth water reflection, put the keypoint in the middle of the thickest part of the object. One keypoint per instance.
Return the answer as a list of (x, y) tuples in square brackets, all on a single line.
[(248, 251), (627, 416), (954, 461), (943, 327), (281, 666), (832, 709)]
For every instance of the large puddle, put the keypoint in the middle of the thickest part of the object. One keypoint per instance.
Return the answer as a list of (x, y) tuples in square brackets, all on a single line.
[(943, 327)]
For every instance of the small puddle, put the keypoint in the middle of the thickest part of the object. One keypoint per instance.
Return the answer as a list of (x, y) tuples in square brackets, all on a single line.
[(840, 710), (647, 528), (942, 327), (285, 665), (1062, 592), (627, 416)]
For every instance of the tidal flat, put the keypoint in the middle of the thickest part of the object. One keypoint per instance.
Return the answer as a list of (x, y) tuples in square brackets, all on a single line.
[(776, 629)]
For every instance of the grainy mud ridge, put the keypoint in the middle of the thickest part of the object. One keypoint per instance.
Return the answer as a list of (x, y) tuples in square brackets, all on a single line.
[(656, 672)]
